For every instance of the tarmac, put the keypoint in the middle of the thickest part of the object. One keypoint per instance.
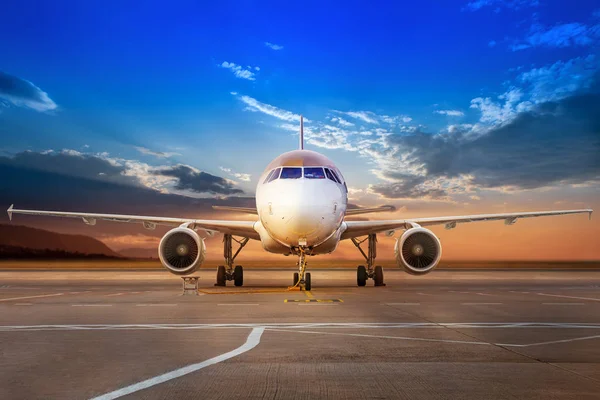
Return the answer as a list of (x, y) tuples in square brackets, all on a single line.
[(500, 334)]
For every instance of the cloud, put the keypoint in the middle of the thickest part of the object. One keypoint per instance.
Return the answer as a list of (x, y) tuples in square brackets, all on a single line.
[(450, 113), (189, 178), (499, 4), (342, 122), (532, 151), (239, 71), (492, 43), (273, 46), (256, 106), (365, 116), (561, 35), (158, 154), (238, 175), (372, 118), (22, 93)]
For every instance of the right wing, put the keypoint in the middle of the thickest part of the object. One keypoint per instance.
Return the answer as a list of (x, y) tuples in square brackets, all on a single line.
[(238, 228), (362, 228)]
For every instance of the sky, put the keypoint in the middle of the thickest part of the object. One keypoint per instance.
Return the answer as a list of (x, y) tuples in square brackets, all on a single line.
[(439, 108)]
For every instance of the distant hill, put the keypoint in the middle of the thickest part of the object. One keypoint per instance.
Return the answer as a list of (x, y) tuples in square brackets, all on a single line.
[(17, 241), (139, 253)]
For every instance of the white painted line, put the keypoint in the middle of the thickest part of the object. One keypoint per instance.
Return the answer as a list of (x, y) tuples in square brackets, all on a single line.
[(91, 305), (551, 342), (569, 297), (251, 342), (32, 297), (23, 304), (238, 304), (115, 294), (317, 325), (402, 304), (484, 294), (382, 337), (424, 294), (480, 304), (563, 304), (454, 291), (156, 305)]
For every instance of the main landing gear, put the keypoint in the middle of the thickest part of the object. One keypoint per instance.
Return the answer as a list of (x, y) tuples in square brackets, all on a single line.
[(374, 272), (227, 272), (302, 278)]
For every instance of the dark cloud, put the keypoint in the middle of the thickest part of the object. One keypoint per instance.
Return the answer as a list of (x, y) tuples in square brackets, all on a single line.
[(199, 181), (557, 142), (23, 93)]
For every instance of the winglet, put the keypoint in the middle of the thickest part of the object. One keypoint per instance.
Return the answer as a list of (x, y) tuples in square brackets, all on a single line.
[(9, 211), (590, 211), (301, 133)]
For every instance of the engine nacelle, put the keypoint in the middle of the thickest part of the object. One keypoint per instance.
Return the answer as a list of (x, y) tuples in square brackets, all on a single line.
[(181, 251), (418, 250)]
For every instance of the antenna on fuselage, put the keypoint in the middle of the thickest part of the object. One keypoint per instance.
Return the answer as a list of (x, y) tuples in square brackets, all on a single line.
[(301, 133)]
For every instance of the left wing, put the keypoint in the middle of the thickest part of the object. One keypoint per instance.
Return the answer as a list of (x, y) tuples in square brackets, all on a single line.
[(357, 211), (244, 210), (362, 228), (238, 228)]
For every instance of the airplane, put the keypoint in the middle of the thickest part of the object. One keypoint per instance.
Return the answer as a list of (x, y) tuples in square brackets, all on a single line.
[(301, 205)]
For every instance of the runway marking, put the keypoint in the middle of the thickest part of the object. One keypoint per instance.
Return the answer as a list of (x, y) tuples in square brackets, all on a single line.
[(309, 294), (551, 342), (91, 305), (454, 291), (156, 305), (251, 342), (238, 304), (382, 336), (484, 294), (115, 294), (563, 304), (313, 301), (318, 304), (480, 304), (424, 294), (569, 297), (23, 304), (402, 304), (33, 297)]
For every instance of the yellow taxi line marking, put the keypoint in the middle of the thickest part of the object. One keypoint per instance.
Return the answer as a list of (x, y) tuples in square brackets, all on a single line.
[(33, 297), (309, 294)]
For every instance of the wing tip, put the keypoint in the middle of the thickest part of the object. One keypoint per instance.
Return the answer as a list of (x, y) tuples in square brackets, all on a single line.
[(10, 212)]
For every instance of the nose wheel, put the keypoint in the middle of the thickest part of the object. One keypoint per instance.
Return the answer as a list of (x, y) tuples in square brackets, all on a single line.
[(370, 271), (302, 278)]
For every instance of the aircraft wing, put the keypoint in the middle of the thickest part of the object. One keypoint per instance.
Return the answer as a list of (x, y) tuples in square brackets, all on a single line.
[(244, 210), (358, 211), (238, 228), (362, 228)]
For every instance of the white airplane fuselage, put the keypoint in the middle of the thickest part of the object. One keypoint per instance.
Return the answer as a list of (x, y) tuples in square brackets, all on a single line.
[(301, 210)]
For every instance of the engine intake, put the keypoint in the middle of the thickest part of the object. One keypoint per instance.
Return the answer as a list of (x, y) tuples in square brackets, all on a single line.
[(181, 251), (418, 250)]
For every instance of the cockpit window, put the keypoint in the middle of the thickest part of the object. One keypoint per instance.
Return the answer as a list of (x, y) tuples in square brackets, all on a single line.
[(329, 175), (291, 173), (275, 174), (268, 177), (337, 178), (314, 173)]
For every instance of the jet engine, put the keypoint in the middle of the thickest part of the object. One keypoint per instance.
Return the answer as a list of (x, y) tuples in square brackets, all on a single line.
[(181, 251), (418, 250)]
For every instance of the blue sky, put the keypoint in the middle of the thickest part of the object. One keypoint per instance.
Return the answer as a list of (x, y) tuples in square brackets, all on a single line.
[(420, 101)]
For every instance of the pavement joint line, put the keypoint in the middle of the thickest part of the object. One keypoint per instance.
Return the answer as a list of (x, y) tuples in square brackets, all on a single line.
[(569, 297), (23, 304), (91, 305), (251, 342), (33, 297)]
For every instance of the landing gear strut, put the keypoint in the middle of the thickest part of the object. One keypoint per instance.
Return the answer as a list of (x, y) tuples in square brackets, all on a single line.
[(227, 272), (371, 271), (302, 278)]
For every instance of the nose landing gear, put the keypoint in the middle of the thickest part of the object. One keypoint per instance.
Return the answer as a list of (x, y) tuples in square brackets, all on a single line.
[(302, 278), (371, 271), (227, 272)]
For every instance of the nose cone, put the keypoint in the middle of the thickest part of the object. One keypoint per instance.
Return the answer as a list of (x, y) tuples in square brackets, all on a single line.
[(305, 215)]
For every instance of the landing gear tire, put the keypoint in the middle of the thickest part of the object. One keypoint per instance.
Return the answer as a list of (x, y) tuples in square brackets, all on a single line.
[(378, 277), (295, 278), (307, 285), (238, 275), (361, 275), (221, 276)]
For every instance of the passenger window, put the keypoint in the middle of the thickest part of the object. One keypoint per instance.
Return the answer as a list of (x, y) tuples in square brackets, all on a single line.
[(275, 175), (337, 178), (314, 173), (268, 177), (291, 173)]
